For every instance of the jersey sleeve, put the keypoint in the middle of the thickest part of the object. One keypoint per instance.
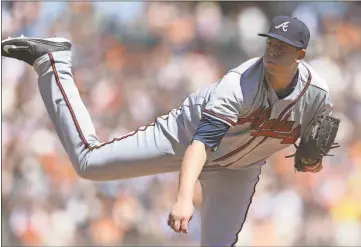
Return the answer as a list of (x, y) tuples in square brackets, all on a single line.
[(211, 131), (326, 107), (323, 107), (225, 101)]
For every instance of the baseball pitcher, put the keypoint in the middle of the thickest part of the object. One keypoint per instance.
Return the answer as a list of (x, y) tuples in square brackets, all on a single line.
[(221, 134)]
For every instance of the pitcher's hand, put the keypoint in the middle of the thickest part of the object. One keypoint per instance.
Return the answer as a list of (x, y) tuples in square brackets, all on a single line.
[(181, 215)]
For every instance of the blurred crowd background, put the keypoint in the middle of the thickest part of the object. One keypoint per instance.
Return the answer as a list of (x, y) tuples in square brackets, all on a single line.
[(133, 61)]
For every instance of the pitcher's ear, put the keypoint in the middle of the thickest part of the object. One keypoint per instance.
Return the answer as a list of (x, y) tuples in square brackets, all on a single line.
[(301, 55)]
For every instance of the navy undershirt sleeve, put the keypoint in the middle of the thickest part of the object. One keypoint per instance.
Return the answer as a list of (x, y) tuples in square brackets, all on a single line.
[(210, 131)]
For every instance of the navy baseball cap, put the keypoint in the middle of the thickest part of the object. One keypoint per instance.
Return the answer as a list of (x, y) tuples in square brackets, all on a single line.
[(289, 30)]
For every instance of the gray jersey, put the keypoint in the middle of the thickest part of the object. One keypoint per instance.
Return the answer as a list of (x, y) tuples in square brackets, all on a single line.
[(261, 123)]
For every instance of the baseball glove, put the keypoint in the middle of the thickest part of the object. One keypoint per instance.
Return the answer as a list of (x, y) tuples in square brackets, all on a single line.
[(316, 142)]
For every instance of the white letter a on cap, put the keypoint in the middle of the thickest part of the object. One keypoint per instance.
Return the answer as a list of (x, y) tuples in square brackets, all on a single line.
[(283, 25)]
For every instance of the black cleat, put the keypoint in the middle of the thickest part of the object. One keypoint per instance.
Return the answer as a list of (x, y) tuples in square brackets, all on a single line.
[(29, 49)]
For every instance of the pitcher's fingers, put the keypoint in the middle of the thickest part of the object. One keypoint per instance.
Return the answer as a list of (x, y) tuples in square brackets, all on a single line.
[(170, 220), (317, 169), (184, 225), (313, 169), (176, 225)]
